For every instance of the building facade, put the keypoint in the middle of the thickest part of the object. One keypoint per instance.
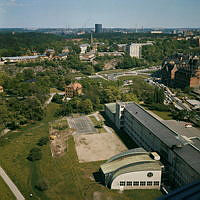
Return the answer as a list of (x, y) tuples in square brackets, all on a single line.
[(176, 149), (73, 89), (98, 28), (181, 71), (135, 49)]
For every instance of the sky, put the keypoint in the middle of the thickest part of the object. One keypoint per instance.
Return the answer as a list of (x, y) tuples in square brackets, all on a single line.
[(110, 13)]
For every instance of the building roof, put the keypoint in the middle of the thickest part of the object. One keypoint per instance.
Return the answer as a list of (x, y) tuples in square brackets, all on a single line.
[(165, 134), (136, 160), (189, 192), (181, 128), (75, 86), (187, 150), (20, 57), (111, 107)]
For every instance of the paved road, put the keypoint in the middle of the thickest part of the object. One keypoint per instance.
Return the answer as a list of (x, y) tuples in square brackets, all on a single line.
[(11, 185), (51, 97)]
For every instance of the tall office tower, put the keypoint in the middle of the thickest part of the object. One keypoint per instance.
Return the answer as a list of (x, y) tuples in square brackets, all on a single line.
[(98, 28)]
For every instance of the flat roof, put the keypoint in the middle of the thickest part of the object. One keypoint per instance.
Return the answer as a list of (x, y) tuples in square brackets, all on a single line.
[(191, 155), (111, 107), (188, 151), (180, 127), (160, 130)]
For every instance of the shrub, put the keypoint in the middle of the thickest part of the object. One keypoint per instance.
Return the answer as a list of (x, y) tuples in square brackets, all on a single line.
[(35, 154), (43, 141), (41, 185)]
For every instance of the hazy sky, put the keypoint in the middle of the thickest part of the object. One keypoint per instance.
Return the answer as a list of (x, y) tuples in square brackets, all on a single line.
[(111, 13)]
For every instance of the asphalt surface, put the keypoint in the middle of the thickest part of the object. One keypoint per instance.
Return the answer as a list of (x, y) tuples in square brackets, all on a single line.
[(11, 185), (82, 125)]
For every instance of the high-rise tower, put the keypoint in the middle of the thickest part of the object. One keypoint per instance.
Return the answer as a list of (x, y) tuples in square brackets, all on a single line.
[(98, 28)]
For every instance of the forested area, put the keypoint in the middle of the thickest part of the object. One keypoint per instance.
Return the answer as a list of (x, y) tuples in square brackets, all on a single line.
[(16, 44)]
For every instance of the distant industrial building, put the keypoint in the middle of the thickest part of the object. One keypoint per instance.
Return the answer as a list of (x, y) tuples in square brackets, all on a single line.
[(73, 89), (181, 71), (98, 28), (177, 145), (156, 32), (133, 169), (135, 49), (17, 59)]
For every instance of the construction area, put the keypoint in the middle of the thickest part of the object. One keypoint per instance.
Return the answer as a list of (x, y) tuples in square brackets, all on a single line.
[(96, 147), (92, 145), (59, 132)]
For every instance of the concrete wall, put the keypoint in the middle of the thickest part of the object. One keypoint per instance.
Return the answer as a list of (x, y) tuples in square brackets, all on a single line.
[(137, 176)]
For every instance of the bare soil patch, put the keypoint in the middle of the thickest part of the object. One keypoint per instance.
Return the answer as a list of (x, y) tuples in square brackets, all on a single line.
[(96, 147)]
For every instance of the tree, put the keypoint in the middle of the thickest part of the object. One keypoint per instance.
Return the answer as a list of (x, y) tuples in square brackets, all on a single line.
[(86, 106), (35, 154), (43, 141), (110, 94), (99, 124), (57, 99), (41, 186), (129, 97)]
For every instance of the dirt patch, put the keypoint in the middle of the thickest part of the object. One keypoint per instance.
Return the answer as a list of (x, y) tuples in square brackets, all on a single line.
[(95, 147), (59, 133)]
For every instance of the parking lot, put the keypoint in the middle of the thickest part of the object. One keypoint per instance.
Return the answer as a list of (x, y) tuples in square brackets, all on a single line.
[(82, 125)]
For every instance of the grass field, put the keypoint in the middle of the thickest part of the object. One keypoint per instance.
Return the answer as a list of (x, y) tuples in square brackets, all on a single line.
[(163, 115), (95, 122), (5, 191), (65, 176), (133, 77)]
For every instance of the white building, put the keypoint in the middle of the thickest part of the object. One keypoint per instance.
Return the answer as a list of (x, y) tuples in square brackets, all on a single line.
[(83, 48), (133, 169), (178, 146), (135, 49)]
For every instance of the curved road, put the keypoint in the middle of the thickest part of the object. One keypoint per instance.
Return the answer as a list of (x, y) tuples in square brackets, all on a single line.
[(11, 185)]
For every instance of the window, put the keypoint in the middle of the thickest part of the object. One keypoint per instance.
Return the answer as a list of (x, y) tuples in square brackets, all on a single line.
[(149, 183), (122, 183), (142, 183), (156, 182), (129, 183), (135, 183), (150, 174)]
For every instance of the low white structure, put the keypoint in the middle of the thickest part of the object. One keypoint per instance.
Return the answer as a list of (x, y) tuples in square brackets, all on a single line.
[(133, 169), (83, 48), (135, 49)]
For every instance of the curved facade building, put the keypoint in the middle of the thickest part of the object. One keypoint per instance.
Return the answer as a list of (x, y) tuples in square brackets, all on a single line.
[(133, 169)]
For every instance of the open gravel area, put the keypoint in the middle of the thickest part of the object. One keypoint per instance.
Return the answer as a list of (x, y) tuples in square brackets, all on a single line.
[(95, 147)]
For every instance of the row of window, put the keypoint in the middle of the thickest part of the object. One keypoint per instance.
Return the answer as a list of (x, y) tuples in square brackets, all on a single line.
[(137, 183)]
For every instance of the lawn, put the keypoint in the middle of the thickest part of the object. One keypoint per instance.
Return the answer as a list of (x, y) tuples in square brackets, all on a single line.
[(163, 115), (95, 122), (133, 77), (54, 90), (65, 176), (5, 191)]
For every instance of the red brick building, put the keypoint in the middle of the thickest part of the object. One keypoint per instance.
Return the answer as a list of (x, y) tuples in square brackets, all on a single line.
[(73, 89), (181, 71)]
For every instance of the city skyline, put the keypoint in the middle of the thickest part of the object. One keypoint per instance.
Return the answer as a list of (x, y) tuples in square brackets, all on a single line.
[(112, 13)]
